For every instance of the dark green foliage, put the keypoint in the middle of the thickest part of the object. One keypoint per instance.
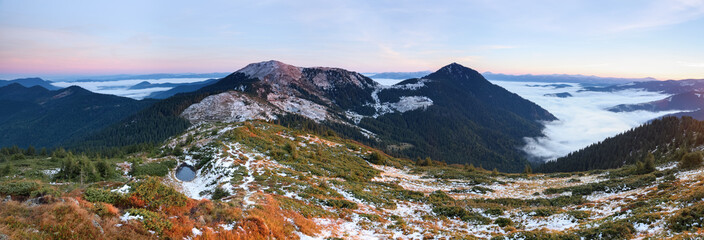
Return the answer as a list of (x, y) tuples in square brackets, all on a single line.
[(496, 211), (461, 213), (538, 235), (543, 211), (26, 188), (427, 162), (6, 170), (647, 165), (503, 222), (527, 169), (157, 195), (152, 220), (613, 185), (338, 203), (102, 195), (19, 187), (83, 169), (560, 201), (687, 218), (610, 230), (157, 169), (439, 198), (691, 160), (666, 135), (377, 158), (580, 215), (220, 193)]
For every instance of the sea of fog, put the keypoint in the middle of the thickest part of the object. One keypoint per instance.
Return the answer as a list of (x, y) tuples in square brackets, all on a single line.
[(121, 87), (583, 119)]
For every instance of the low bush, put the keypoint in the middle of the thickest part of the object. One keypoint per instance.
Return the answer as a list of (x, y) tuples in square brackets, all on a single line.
[(440, 198), (687, 218), (220, 193), (157, 169), (461, 213), (152, 220), (609, 231), (503, 222), (25, 188), (102, 195), (537, 235), (691, 160), (613, 185), (338, 203), (154, 195)]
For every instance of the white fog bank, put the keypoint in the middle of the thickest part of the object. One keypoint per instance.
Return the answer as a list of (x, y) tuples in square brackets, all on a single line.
[(121, 87), (583, 119)]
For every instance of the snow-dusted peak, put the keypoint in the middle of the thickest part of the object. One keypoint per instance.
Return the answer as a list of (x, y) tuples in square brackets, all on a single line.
[(270, 70)]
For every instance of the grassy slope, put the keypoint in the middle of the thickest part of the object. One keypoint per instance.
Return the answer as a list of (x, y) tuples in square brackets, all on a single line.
[(324, 186)]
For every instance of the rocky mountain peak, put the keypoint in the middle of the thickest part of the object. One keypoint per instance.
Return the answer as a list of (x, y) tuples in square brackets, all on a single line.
[(272, 70), (457, 70)]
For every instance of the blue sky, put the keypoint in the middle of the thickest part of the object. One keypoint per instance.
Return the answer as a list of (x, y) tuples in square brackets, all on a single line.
[(658, 38)]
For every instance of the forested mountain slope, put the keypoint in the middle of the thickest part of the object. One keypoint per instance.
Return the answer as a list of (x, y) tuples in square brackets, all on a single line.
[(43, 118), (662, 137), (453, 115)]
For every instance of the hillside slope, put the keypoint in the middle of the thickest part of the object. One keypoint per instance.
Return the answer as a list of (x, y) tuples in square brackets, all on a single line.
[(662, 137), (43, 118), (256, 180), (453, 115)]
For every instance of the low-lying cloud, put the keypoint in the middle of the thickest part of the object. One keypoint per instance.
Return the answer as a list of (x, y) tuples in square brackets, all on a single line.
[(121, 87), (583, 119)]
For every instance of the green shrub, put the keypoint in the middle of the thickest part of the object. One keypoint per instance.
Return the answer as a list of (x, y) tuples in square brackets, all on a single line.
[(152, 220), (19, 187), (580, 215), (687, 218), (157, 169), (496, 211), (337, 203), (440, 198), (503, 222), (377, 158), (610, 230), (613, 185), (691, 160), (220, 193), (538, 235), (156, 195), (461, 213), (542, 212), (102, 195)]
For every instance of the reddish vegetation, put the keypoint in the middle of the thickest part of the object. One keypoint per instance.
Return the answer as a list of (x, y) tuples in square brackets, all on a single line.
[(72, 217)]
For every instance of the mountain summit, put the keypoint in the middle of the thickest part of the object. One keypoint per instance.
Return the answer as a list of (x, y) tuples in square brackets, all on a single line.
[(454, 114)]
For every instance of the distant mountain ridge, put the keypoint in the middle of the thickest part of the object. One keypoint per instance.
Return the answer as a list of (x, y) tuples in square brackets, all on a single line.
[(44, 118), (595, 80), (688, 101), (30, 82), (453, 114), (669, 86)]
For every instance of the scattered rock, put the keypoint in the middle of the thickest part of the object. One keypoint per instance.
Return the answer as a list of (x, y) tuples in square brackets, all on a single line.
[(97, 225)]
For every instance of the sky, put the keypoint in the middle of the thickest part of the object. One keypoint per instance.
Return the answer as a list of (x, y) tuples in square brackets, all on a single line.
[(644, 38)]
